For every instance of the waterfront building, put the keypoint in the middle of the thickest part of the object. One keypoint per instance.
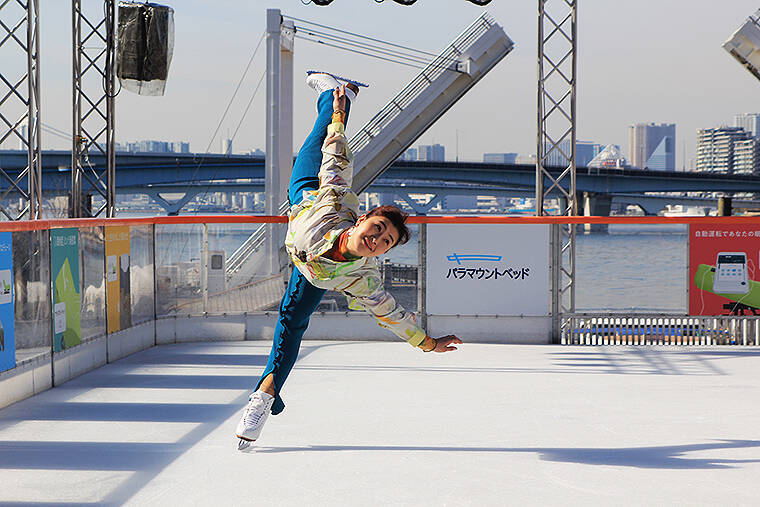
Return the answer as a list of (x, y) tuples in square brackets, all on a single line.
[(151, 146), (410, 154), (716, 146), (560, 156), (526, 160), (652, 146), (431, 153), (749, 122), (500, 158), (610, 157), (180, 147), (585, 151), (747, 156), (227, 146)]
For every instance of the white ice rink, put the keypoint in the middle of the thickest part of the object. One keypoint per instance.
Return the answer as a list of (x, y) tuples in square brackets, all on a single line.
[(383, 424)]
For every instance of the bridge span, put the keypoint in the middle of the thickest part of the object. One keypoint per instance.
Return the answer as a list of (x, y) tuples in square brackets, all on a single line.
[(188, 175)]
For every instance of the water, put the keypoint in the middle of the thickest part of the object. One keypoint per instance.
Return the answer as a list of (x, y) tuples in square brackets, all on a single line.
[(632, 268)]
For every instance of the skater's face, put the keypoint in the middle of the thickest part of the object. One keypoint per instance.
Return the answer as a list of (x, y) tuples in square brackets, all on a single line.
[(372, 236)]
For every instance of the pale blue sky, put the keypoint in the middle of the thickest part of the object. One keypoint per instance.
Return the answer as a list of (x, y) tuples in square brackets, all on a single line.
[(644, 61)]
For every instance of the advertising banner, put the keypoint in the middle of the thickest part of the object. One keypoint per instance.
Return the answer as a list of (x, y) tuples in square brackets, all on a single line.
[(118, 298), (723, 269), (64, 262), (477, 269), (7, 318)]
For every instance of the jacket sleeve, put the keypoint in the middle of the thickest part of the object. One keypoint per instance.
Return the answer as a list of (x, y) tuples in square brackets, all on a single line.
[(337, 161), (389, 314)]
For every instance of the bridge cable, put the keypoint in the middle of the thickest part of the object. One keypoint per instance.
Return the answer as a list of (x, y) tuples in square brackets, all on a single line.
[(421, 58), (371, 55), (216, 131), (362, 36), (253, 96)]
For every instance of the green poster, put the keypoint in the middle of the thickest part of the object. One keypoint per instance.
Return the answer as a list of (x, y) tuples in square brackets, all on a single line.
[(64, 259)]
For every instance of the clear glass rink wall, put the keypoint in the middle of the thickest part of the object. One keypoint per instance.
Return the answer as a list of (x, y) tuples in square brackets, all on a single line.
[(76, 294)]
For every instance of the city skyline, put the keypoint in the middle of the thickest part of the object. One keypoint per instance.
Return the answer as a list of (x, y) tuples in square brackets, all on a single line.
[(658, 78)]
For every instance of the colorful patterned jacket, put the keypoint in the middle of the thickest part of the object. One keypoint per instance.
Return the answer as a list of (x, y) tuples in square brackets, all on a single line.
[(316, 223)]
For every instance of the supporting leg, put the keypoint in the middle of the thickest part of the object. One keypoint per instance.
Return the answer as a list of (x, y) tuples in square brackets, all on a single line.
[(301, 299)]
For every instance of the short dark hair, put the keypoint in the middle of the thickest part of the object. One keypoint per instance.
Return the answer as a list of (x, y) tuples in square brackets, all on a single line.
[(397, 219)]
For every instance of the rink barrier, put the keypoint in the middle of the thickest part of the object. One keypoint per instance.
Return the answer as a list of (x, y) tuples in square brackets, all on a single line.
[(171, 299)]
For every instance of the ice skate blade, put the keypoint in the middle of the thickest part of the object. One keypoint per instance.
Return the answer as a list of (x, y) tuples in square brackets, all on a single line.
[(244, 444)]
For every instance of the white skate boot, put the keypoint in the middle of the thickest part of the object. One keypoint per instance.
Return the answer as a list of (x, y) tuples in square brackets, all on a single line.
[(323, 81), (254, 416)]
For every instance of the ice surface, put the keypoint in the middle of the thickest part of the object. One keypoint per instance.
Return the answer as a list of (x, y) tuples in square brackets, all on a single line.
[(381, 423)]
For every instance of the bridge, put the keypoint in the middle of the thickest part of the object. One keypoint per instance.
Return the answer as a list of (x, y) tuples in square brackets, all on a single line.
[(157, 174)]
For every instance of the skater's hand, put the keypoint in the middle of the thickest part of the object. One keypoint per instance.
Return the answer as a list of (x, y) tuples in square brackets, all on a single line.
[(339, 98), (444, 344)]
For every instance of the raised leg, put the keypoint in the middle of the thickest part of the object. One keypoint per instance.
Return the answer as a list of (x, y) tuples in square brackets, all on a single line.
[(306, 167)]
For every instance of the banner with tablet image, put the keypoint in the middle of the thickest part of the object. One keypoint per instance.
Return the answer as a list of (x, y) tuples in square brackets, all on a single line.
[(7, 314), (724, 269)]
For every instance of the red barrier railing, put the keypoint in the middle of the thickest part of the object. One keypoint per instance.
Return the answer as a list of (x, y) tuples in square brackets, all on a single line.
[(31, 225)]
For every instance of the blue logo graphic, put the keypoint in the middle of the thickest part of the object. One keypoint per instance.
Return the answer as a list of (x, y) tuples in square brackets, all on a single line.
[(477, 257)]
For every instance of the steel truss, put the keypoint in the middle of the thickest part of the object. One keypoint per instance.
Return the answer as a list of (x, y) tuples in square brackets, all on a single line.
[(557, 30), (94, 102), (23, 91)]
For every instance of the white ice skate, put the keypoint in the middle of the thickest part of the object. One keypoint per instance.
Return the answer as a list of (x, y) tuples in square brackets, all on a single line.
[(254, 416), (322, 81)]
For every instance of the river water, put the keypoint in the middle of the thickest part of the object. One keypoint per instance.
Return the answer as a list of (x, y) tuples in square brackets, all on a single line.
[(630, 268)]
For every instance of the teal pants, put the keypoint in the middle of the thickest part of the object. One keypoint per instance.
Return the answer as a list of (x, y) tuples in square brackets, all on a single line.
[(301, 298)]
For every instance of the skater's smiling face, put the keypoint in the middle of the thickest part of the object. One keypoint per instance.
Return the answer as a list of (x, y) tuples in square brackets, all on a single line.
[(372, 236)]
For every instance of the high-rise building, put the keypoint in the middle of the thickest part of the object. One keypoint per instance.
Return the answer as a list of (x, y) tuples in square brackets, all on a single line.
[(226, 146), (585, 151), (151, 146), (747, 156), (410, 154), (180, 147), (716, 148), (749, 122), (500, 158), (431, 153), (609, 158), (560, 156), (653, 146)]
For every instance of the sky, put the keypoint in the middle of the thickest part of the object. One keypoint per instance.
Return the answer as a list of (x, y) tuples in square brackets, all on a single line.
[(644, 61)]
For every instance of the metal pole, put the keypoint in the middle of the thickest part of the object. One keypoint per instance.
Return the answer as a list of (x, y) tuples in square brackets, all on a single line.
[(556, 139), (110, 79), (422, 276), (26, 127), (204, 268), (540, 114), (272, 167), (33, 124), (94, 115), (75, 206)]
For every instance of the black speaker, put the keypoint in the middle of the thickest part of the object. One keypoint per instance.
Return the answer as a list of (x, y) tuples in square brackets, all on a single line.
[(143, 41)]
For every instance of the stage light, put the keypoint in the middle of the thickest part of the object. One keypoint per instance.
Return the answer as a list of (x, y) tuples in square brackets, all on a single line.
[(480, 2), (322, 2)]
